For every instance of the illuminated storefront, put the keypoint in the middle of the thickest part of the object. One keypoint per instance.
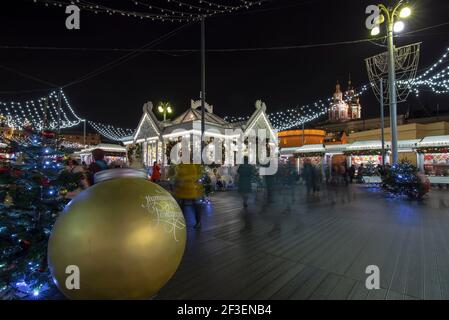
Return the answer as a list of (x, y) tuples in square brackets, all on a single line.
[(313, 154), (114, 154), (433, 157), (366, 152)]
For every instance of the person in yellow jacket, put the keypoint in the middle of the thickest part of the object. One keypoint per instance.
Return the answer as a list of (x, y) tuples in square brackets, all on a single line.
[(189, 187)]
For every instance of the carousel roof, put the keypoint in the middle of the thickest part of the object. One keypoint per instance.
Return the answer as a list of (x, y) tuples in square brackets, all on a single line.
[(195, 115), (151, 128)]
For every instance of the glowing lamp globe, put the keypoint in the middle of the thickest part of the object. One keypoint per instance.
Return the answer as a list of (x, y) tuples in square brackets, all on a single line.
[(380, 19), (375, 31), (125, 234), (405, 12), (398, 26)]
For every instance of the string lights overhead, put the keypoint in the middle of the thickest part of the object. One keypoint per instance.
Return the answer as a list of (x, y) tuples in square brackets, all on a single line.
[(297, 116), (436, 78), (111, 132), (170, 11), (43, 112), (438, 83)]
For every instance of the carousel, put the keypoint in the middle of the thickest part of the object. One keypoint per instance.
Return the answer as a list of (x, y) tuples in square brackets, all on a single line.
[(154, 139)]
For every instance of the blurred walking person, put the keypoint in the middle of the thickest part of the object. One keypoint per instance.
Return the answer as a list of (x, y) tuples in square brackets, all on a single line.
[(309, 176), (289, 183), (245, 175), (351, 174), (98, 165), (156, 173)]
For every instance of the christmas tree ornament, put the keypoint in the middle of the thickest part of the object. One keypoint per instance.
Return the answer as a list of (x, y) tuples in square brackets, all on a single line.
[(125, 235), (8, 133), (20, 159), (8, 200), (25, 244)]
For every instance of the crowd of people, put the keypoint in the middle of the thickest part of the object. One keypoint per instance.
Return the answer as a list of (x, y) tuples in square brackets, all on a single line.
[(88, 171), (287, 184), (314, 180)]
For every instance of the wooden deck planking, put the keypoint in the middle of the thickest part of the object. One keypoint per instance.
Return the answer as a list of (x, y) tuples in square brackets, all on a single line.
[(318, 251)]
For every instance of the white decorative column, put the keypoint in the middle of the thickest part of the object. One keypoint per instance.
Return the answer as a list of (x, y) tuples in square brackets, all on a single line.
[(420, 161), (145, 146)]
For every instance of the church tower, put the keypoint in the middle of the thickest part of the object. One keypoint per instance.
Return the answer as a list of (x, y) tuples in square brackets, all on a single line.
[(345, 107), (338, 110), (355, 109)]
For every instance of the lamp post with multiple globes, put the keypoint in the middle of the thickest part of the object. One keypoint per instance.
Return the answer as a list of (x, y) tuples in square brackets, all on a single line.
[(391, 16)]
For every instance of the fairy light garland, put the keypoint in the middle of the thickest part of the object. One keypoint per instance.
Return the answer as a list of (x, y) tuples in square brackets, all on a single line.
[(36, 113), (438, 83), (111, 132), (297, 116), (284, 120), (18, 114), (184, 11)]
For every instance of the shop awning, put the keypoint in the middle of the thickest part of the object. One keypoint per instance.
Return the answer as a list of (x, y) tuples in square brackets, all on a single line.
[(367, 145), (435, 141), (288, 151), (311, 148), (108, 147), (407, 144), (336, 148)]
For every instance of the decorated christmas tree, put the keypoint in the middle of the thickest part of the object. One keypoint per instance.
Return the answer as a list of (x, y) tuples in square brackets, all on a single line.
[(403, 179), (33, 184)]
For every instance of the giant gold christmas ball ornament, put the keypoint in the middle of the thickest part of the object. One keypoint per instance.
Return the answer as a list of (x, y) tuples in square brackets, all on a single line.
[(126, 236)]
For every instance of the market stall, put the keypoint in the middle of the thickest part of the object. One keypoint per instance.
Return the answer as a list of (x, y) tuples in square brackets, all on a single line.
[(114, 154), (313, 153), (406, 150), (335, 155), (286, 155), (433, 158), (366, 152)]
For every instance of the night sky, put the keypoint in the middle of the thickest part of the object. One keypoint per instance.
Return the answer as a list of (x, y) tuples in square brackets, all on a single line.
[(282, 78)]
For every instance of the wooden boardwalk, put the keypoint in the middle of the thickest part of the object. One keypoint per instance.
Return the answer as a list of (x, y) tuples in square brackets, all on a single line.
[(318, 250)]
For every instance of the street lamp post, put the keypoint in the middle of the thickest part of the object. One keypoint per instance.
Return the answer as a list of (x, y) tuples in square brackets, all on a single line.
[(390, 16), (84, 133), (164, 108), (203, 84)]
